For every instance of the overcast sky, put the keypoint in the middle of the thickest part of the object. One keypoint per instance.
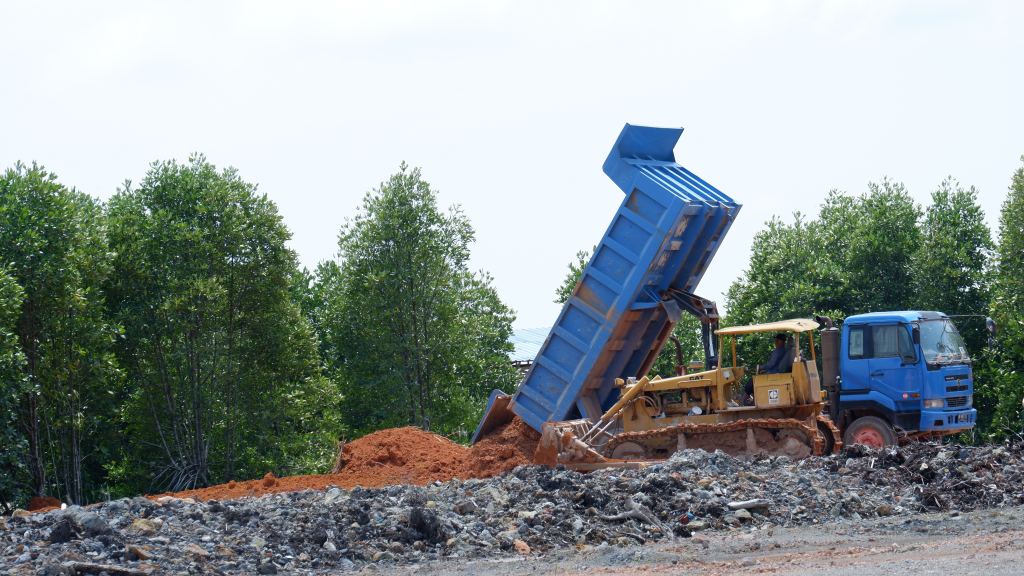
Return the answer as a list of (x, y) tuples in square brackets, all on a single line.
[(511, 107)]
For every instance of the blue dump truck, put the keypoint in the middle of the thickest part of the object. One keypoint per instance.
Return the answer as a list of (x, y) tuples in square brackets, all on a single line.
[(897, 374), (889, 375)]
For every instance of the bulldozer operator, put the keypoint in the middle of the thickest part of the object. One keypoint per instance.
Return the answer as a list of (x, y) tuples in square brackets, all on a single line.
[(779, 362)]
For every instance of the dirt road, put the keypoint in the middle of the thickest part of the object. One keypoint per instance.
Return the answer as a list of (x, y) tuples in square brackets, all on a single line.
[(988, 542)]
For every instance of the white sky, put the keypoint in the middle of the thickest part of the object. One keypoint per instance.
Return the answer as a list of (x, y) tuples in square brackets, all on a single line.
[(511, 107)]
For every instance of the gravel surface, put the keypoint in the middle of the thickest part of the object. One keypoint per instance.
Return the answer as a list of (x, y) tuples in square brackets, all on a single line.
[(529, 512), (982, 542)]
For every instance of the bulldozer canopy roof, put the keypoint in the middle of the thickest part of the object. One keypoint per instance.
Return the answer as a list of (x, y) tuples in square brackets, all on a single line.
[(794, 325)]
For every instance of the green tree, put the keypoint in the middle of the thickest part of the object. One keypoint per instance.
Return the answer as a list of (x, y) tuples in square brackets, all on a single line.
[(950, 265), (14, 478), (572, 277), (413, 335), (881, 238), (1001, 375), (53, 239), (221, 364), (791, 274), (856, 256)]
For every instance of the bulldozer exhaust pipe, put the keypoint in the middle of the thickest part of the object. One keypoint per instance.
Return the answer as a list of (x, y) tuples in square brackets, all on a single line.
[(830, 368)]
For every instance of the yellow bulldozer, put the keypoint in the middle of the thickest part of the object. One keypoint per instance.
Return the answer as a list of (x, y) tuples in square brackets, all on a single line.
[(655, 417)]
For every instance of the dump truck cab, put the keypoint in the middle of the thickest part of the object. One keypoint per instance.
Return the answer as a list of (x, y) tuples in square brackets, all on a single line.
[(908, 369)]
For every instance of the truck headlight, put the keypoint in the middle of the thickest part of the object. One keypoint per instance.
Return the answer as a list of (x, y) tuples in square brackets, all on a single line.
[(934, 403)]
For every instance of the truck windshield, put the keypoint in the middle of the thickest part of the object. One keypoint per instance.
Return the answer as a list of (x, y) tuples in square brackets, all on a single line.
[(941, 343)]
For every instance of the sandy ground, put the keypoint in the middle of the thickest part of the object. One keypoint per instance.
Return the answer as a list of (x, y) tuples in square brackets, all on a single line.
[(988, 542)]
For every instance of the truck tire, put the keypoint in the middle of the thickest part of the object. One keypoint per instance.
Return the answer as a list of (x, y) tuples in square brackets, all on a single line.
[(870, 431)]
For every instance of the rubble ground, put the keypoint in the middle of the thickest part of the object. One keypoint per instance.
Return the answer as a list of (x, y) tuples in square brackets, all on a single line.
[(980, 542), (529, 512)]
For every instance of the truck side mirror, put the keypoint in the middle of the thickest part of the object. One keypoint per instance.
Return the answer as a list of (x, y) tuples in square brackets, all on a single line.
[(990, 325), (917, 334)]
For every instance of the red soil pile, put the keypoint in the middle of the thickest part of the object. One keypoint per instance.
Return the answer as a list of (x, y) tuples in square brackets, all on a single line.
[(43, 504), (400, 456), (397, 456), (502, 450)]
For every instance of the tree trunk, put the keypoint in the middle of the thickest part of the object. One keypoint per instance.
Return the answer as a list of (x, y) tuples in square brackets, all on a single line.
[(28, 332), (30, 426)]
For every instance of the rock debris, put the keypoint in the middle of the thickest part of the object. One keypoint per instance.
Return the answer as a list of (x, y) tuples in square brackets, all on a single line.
[(529, 511)]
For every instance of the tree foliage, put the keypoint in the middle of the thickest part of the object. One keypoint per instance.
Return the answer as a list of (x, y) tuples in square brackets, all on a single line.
[(52, 239), (412, 335), (882, 238), (572, 277), (857, 256), (950, 267), (13, 472), (221, 364), (789, 274), (1001, 388)]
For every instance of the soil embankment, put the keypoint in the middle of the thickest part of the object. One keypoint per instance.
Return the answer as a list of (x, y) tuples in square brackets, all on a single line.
[(397, 456)]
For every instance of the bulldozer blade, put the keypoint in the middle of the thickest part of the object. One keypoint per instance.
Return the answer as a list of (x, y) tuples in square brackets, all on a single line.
[(559, 445), (592, 466)]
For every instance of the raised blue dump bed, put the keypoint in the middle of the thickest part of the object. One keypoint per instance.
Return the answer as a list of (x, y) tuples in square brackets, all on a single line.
[(659, 243)]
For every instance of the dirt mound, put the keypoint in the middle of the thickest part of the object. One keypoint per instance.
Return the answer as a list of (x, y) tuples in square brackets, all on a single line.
[(397, 456), (400, 456), (43, 504), (503, 449)]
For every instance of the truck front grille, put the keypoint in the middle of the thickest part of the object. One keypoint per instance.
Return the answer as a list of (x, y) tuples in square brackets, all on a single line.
[(956, 402)]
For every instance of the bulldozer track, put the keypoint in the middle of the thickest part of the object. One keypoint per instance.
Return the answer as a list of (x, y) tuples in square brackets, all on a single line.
[(837, 436), (808, 427)]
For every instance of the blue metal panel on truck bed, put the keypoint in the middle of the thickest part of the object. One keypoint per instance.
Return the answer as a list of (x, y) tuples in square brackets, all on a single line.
[(660, 241)]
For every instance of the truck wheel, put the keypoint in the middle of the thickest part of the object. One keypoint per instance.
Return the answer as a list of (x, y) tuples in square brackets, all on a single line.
[(870, 431)]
